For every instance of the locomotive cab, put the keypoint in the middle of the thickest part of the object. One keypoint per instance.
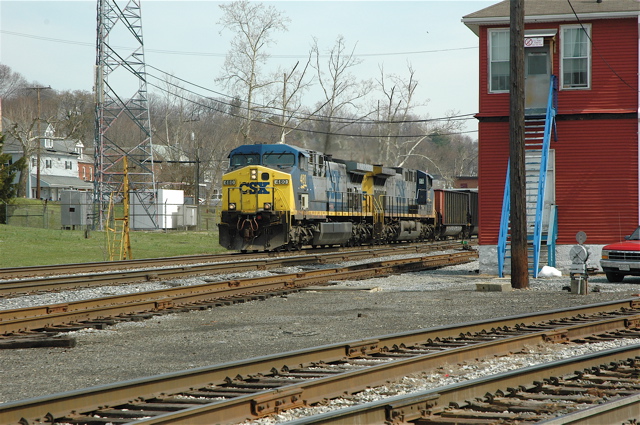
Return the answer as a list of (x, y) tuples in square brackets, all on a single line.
[(257, 198)]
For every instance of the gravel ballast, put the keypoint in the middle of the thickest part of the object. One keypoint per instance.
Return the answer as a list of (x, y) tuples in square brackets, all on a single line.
[(349, 311)]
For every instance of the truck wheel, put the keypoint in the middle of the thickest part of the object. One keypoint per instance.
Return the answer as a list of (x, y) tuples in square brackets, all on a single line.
[(614, 277)]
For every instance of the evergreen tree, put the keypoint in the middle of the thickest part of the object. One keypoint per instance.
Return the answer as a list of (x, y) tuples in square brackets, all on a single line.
[(8, 172)]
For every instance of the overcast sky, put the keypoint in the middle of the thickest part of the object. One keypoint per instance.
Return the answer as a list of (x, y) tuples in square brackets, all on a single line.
[(53, 42)]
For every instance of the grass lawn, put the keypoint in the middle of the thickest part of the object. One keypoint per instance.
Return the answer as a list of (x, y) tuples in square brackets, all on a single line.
[(25, 246)]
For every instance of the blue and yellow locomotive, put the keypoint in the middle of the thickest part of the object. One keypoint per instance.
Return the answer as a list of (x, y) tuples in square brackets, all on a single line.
[(278, 196)]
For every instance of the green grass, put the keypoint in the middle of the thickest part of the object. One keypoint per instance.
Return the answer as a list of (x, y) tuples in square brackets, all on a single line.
[(26, 246)]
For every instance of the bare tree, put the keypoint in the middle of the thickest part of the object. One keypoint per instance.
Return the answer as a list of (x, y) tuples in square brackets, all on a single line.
[(393, 110), (341, 90), (75, 116), (288, 103), (10, 82), (67, 115), (253, 25)]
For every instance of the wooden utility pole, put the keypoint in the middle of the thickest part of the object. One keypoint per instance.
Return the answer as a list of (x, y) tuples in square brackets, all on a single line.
[(39, 138), (518, 217)]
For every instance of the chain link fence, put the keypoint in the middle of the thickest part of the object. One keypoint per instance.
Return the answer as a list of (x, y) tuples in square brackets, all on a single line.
[(79, 214)]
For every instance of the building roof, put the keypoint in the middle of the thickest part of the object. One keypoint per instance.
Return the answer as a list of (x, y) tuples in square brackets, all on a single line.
[(554, 10), (57, 145), (61, 182)]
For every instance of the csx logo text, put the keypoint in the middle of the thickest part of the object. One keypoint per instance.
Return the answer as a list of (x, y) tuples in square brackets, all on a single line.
[(253, 188)]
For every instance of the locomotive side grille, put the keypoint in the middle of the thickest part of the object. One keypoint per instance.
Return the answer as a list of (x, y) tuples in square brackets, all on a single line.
[(624, 255)]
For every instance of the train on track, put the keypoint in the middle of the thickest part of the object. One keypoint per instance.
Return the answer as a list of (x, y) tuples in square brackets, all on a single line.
[(278, 196)]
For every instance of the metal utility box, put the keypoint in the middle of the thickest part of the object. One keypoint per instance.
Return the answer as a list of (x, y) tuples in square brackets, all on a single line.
[(187, 216), (149, 212), (75, 209)]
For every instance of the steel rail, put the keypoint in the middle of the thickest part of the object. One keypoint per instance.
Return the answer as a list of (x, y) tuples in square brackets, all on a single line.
[(625, 313), (61, 282), (417, 406), (315, 391), (102, 266), (50, 316), (613, 412)]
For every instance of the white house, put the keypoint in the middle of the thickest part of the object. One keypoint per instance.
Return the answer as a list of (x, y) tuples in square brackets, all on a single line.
[(58, 165)]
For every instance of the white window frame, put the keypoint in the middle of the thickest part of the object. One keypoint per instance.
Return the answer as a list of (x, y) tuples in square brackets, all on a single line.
[(491, 59), (587, 29)]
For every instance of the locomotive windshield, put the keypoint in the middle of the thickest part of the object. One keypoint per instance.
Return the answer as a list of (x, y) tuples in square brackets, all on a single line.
[(240, 160), (282, 158)]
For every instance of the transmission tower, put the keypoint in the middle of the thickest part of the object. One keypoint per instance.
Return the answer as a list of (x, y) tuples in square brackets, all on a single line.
[(123, 127)]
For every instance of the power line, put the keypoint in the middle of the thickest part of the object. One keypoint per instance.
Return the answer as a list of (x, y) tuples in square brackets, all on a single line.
[(340, 120), (304, 130), (598, 51), (222, 55)]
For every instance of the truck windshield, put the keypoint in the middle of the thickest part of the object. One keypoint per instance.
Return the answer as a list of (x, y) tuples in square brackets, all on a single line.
[(240, 160), (635, 236)]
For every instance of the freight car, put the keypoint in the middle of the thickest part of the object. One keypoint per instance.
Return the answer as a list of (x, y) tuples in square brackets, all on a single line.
[(456, 213), (278, 196)]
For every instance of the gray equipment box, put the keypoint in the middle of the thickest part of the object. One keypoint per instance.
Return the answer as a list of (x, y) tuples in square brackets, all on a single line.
[(75, 209)]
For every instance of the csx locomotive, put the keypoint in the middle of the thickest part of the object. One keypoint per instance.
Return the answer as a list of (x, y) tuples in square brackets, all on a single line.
[(278, 196)]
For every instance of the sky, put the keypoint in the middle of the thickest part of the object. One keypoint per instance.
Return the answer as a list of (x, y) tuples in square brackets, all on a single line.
[(53, 43)]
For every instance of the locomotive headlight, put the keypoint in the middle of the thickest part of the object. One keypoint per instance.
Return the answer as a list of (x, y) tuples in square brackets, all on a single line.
[(267, 206), (232, 205), (254, 174), (605, 255)]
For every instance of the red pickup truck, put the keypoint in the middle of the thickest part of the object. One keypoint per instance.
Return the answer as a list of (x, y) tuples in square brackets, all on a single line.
[(622, 258)]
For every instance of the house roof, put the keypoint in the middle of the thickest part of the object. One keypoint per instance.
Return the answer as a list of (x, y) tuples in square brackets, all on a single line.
[(554, 10), (62, 182), (62, 146)]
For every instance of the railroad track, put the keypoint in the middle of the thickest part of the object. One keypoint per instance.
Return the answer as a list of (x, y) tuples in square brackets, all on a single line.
[(233, 392), (109, 266), (34, 322), (154, 269), (553, 394)]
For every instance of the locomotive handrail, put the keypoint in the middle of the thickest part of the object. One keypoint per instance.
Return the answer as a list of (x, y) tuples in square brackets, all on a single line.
[(283, 198)]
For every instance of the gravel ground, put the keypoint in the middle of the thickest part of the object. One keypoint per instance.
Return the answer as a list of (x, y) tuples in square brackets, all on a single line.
[(351, 310)]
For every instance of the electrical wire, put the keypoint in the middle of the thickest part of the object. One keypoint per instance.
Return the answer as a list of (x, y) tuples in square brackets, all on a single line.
[(291, 114), (222, 55), (598, 51), (305, 130)]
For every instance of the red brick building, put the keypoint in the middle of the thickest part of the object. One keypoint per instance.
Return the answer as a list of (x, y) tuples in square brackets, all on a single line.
[(591, 49)]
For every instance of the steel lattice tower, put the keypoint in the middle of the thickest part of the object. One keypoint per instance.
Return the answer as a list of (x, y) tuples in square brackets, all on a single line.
[(123, 127)]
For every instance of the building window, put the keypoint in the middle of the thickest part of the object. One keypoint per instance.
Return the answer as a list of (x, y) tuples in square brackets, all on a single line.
[(34, 162), (47, 163), (498, 60), (576, 57), (84, 173), (68, 165), (48, 143)]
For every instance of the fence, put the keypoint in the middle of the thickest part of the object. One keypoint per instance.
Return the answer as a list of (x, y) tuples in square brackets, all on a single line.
[(79, 215)]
